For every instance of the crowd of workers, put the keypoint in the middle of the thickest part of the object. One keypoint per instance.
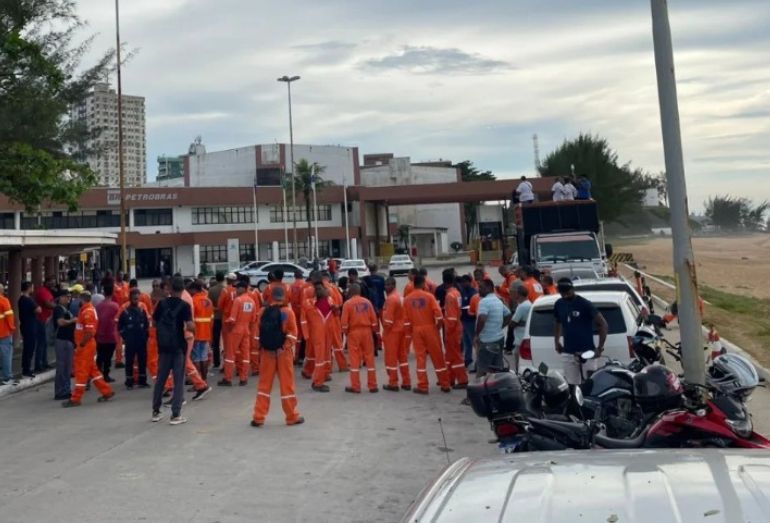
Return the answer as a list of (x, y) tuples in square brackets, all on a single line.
[(185, 330)]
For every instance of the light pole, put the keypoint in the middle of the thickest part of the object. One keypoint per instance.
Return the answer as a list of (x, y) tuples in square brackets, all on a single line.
[(123, 248), (684, 261), (315, 214), (289, 80)]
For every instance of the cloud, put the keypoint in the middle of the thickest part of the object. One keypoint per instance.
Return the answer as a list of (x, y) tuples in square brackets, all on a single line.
[(328, 52), (432, 60)]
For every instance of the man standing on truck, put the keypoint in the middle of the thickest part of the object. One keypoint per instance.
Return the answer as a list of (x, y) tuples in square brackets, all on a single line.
[(583, 188), (524, 191), (575, 318)]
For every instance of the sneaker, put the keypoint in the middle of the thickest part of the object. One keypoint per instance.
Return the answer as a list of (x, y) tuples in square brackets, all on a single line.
[(225, 383), (352, 390), (256, 423), (374, 389), (299, 421), (200, 394), (166, 393), (156, 416), (320, 388), (7, 382), (109, 380), (28, 375), (393, 388), (69, 403), (177, 421), (106, 397)]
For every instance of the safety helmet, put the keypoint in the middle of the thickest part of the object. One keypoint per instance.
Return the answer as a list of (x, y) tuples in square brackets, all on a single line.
[(645, 345), (657, 388), (555, 389), (733, 375)]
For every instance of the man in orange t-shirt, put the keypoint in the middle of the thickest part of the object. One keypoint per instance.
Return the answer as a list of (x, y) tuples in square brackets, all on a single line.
[(359, 321), (534, 287), (422, 319), (7, 328)]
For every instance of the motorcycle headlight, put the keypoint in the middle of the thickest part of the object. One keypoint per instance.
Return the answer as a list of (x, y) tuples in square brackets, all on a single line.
[(742, 427)]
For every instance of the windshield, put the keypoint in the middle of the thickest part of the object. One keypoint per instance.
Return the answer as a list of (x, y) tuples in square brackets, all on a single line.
[(568, 250), (608, 287), (400, 258), (541, 322)]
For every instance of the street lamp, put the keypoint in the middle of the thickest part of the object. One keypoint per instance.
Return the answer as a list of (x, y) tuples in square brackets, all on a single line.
[(123, 248), (288, 80)]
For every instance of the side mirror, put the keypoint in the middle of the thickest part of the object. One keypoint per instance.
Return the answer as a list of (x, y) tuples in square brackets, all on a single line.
[(543, 368), (608, 249)]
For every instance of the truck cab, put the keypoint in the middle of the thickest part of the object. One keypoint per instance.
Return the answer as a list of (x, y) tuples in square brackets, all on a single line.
[(574, 250)]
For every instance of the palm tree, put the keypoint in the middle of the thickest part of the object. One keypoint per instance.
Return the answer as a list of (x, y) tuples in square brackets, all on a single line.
[(304, 175)]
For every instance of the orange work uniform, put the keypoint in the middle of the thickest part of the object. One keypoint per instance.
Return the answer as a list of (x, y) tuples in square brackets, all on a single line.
[(282, 363), (224, 304), (242, 317), (422, 316), (191, 371), (338, 351), (308, 294), (359, 321), (85, 362), (394, 340), (453, 336), (203, 316), (7, 321), (119, 296), (408, 288), (316, 319), (534, 287), (267, 294)]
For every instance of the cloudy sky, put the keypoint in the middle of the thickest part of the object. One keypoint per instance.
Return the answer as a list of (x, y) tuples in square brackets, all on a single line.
[(453, 79)]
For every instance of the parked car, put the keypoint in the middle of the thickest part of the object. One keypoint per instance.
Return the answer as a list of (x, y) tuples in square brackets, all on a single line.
[(574, 273), (253, 265), (400, 264), (612, 284), (359, 265), (258, 276), (644, 486), (618, 308)]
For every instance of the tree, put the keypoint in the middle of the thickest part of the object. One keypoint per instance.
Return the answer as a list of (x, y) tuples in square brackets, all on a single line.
[(469, 173), (305, 173), (732, 213), (753, 217), (618, 189), (42, 150)]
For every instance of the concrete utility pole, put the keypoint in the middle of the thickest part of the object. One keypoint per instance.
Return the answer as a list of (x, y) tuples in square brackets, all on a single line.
[(288, 80), (123, 247), (684, 262)]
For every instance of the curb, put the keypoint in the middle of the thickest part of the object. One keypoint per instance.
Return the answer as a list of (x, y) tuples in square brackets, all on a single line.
[(27, 383)]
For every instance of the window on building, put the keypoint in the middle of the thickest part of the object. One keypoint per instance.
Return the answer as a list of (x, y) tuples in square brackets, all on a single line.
[(246, 252), (213, 253), (153, 217), (222, 215), (276, 214), (6, 220), (73, 220)]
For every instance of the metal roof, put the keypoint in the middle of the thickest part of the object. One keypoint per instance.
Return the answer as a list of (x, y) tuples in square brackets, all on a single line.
[(640, 486)]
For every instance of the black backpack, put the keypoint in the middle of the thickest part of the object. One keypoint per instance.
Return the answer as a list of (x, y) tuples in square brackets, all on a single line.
[(271, 336), (168, 328)]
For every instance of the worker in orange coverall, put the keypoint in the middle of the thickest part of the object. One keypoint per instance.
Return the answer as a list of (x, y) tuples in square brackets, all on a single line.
[(308, 294), (296, 297), (394, 339), (336, 299), (242, 315), (85, 355), (422, 318), (359, 321), (453, 332), (276, 355), (254, 356), (224, 304), (316, 327)]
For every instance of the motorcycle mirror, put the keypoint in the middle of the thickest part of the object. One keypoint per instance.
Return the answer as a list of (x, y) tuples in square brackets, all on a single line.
[(579, 396), (543, 368), (588, 355)]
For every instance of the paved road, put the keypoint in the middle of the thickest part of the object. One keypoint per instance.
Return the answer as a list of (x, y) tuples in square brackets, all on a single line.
[(358, 458)]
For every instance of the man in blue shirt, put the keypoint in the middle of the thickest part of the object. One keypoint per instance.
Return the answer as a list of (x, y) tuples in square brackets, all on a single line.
[(467, 292), (583, 188), (575, 319), (492, 319)]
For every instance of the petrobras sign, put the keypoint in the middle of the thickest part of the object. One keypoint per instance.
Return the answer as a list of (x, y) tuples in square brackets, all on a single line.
[(113, 197)]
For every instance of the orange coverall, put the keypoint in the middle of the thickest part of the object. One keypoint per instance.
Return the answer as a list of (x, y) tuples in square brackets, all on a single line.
[(535, 289), (337, 346), (85, 357), (267, 294), (224, 304), (317, 330), (190, 370), (281, 362), (358, 322), (394, 340), (422, 316), (453, 337), (308, 294), (242, 317), (119, 296)]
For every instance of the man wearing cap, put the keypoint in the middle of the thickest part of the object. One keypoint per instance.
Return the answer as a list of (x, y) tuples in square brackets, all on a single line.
[(575, 318), (277, 359), (64, 344), (75, 302)]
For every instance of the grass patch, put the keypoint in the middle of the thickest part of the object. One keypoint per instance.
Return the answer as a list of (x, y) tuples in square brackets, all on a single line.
[(736, 303)]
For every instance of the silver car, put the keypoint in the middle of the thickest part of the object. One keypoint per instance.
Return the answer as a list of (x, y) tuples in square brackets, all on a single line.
[(258, 276), (639, 486)]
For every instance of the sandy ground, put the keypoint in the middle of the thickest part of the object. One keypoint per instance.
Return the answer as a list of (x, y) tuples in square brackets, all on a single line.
[(729, 264)]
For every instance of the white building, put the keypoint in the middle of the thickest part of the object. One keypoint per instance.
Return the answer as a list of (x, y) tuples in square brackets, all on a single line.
[(100, 110)]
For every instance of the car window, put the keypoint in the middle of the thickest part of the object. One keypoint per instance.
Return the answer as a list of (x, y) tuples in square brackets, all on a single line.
[(622, 287), (541, 322)]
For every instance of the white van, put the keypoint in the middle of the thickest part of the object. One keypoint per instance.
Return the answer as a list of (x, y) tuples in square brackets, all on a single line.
[(618, 308)]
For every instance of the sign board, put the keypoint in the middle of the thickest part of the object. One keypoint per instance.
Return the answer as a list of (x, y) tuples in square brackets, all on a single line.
[(83, 257), (233, 253), (113, 197), (271, 153)]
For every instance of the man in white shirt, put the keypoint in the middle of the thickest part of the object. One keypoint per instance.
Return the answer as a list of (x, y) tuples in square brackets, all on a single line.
[(524, 191), (519, 320), (569, 191), (558, 190)]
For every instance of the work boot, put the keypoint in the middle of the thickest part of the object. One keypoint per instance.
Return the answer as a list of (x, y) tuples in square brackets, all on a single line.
[(393, 388), (351, 389), (374, 389), (460, 386), (306, 376), (328, 378), (256, 423), (320, 388), (69, 403), (106, 397), (225, 383), (255, 373), (243, 383), (446, 389), (420, 391), (406, 387), (299, 421)]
